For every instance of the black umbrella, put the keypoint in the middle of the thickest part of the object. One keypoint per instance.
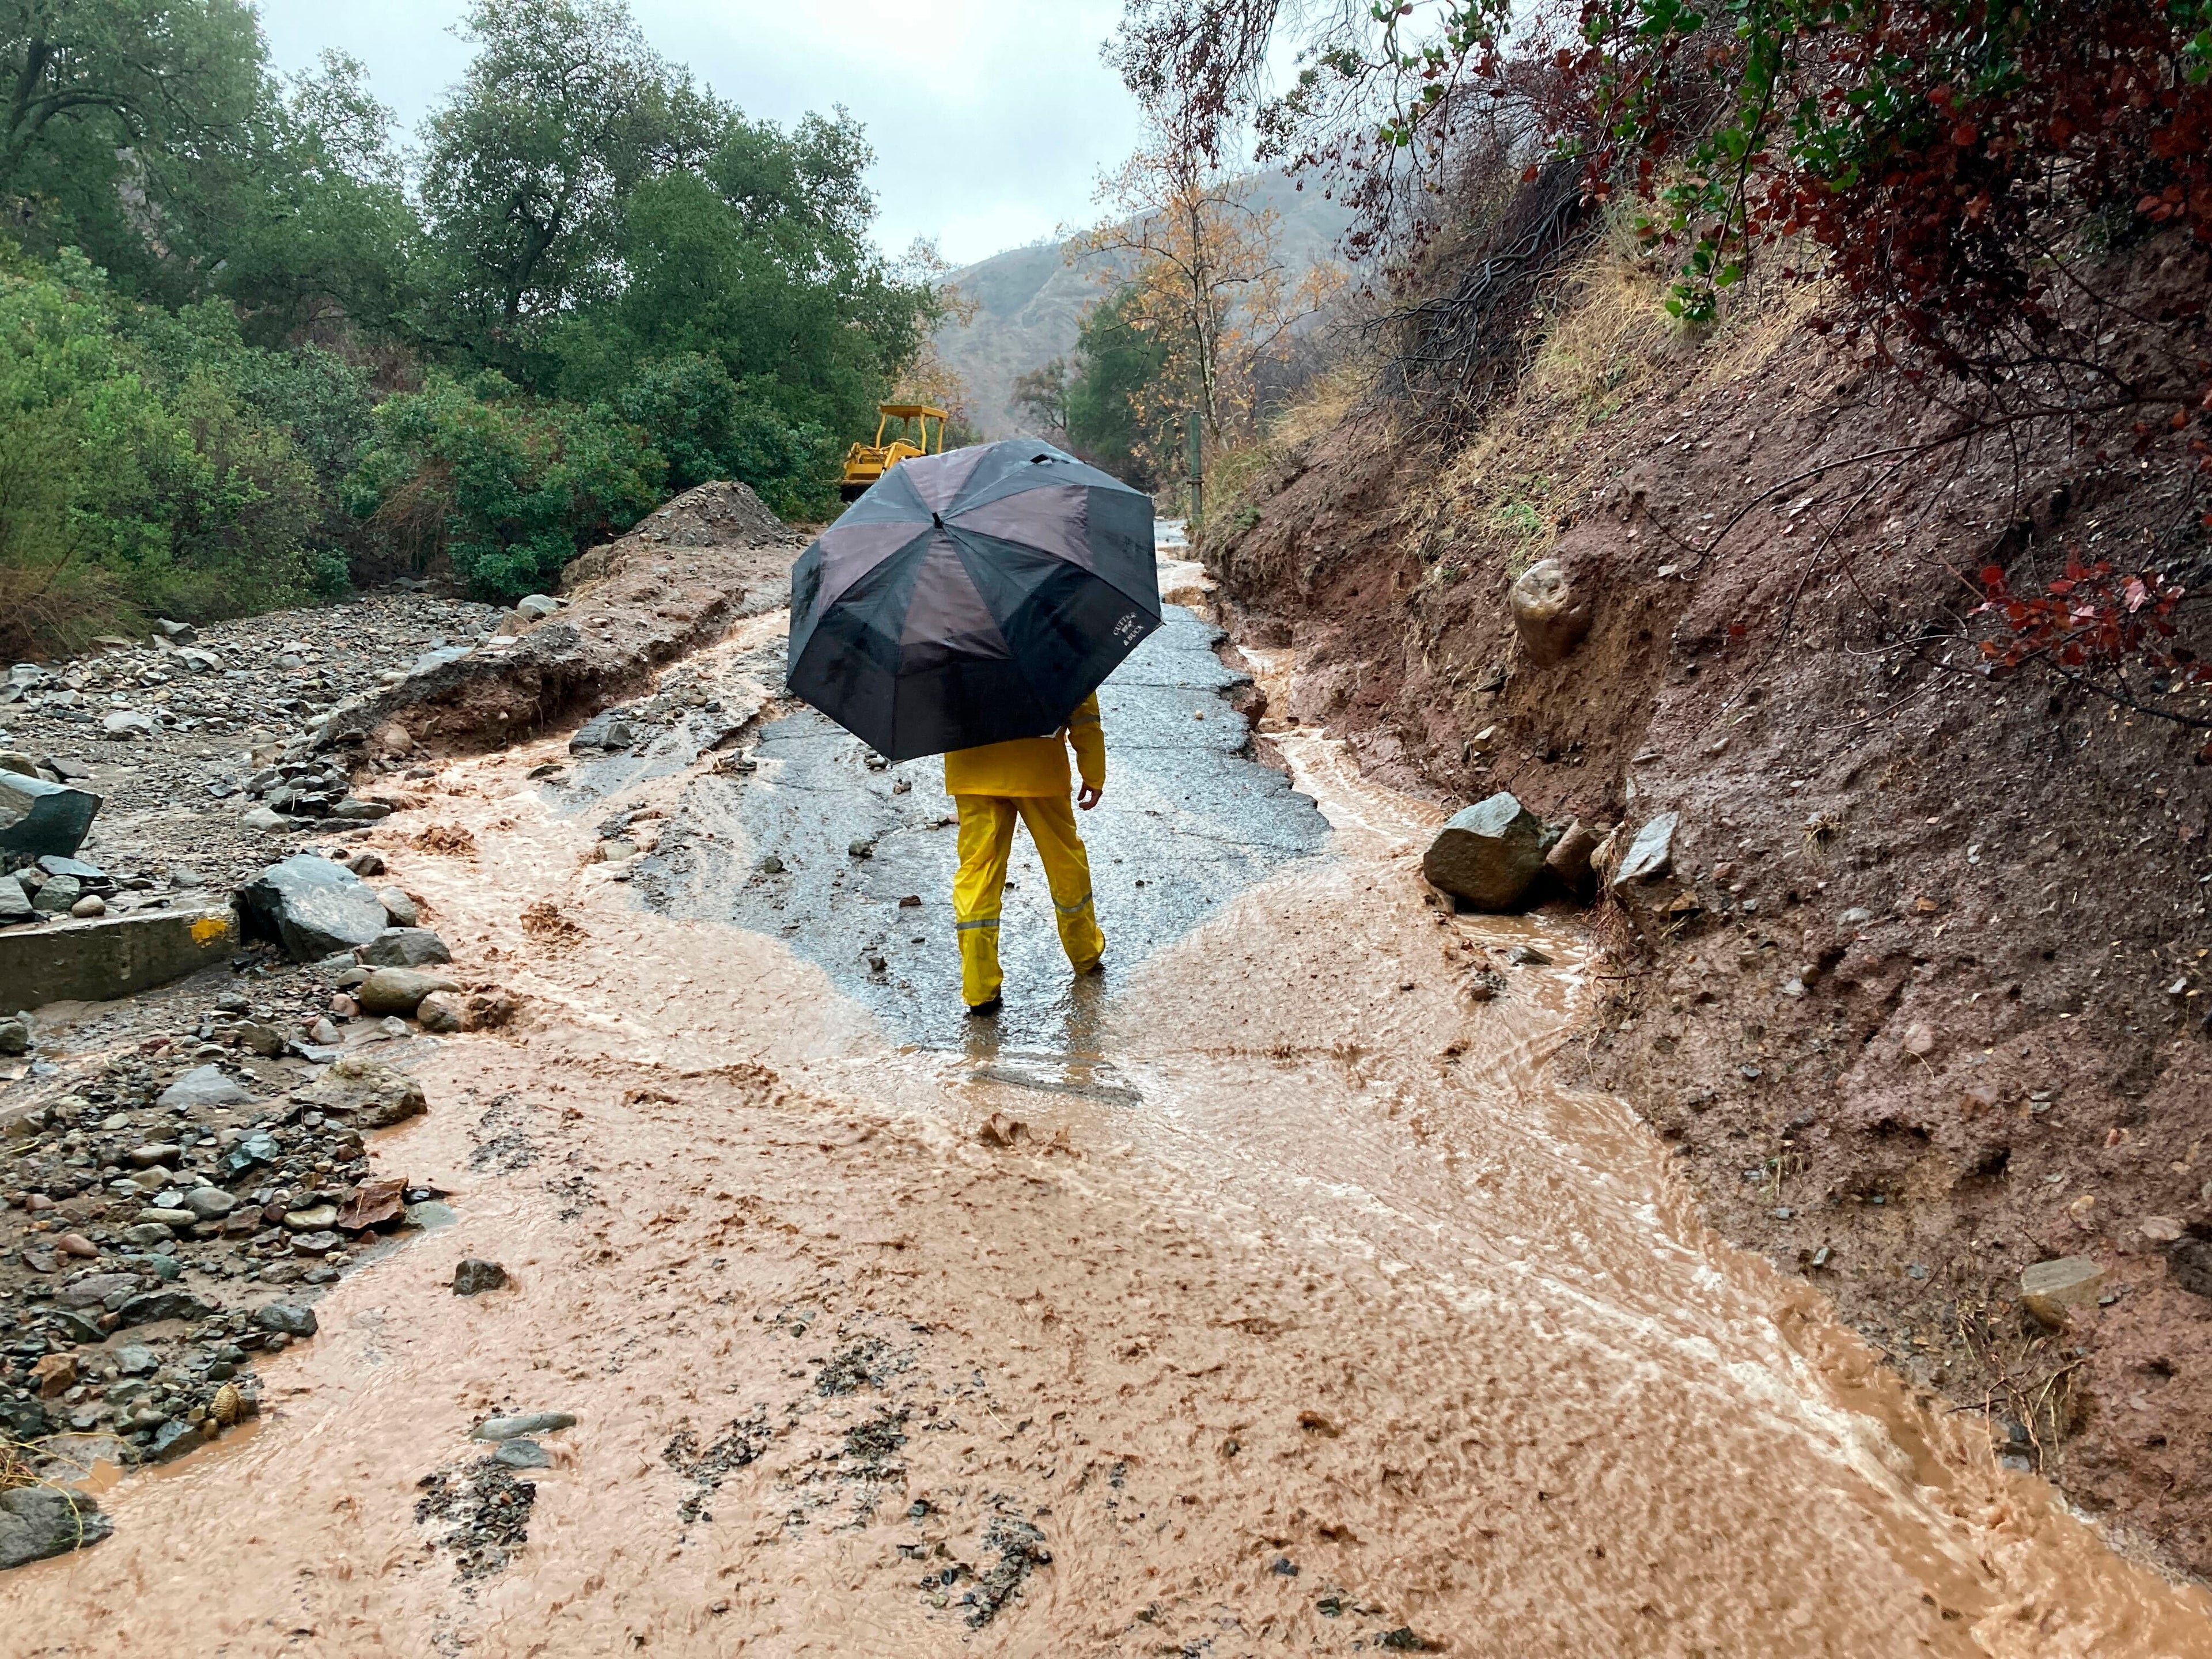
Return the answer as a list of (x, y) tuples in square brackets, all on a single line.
[(972, 597)]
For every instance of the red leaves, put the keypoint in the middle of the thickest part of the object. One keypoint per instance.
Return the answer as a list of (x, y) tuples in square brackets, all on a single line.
[(2085, 619)]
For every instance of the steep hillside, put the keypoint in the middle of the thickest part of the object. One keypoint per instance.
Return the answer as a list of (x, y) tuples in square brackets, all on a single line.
[(1030, 300), (1923, 1001)]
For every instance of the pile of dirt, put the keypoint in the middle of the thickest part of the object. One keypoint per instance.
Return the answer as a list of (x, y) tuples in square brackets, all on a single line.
[(1923, 1000), (710, 557)]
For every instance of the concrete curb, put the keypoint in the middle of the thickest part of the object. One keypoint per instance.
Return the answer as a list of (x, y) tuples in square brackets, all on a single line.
[(108, 956)]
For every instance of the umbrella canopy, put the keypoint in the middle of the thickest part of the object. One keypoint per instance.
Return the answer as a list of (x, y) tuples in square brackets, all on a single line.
[(972, 597)]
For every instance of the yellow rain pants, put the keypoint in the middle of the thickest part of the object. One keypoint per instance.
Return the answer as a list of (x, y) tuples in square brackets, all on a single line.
[(1025, 778), (986, 836)]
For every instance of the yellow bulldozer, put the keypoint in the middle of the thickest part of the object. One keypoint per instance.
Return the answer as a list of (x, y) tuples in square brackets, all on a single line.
[(865, 463)]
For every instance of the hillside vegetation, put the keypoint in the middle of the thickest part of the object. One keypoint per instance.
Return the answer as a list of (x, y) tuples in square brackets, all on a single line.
[(251, 342)]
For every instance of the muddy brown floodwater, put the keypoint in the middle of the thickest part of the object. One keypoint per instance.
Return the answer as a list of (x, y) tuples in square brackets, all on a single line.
[(1300, 1311)]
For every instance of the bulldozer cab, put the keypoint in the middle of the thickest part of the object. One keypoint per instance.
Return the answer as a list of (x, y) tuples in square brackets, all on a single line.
[(865, 463)]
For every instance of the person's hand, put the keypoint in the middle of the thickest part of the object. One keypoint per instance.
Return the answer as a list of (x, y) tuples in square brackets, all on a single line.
[(1087, 797)]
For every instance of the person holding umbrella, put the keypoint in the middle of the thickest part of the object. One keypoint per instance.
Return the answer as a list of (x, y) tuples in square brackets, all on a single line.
[(969, 605)]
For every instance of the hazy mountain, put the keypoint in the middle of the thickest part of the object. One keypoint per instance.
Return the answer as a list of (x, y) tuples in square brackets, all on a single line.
[(1031, 298)]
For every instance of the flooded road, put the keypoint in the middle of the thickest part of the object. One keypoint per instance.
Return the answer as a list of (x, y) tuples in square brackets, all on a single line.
[(1275, 1300)]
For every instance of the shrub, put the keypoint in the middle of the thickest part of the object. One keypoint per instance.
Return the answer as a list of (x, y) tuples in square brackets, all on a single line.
[(509, 487)]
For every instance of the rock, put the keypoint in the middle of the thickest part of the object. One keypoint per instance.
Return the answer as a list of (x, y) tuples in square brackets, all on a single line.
[(1489, 854), (15, 904), (316, 1243), (55, 1374), (1527, 955), (374, 1205), (441, 1012), (263, 818), (285, 1319), (36, 1522), (862, 847), (125, 723), (1568, 860), (319, 1217), (173, 1220), (534, 605), (365, 862), (209, 1203), (90, 905), (405, 947), (477, 1275), (522, 1454), (203, 1086), (312, 906), (324, 1035), (14, 760), (173, 1440), (176, 632), (353, 810), (2160, 1229), (77, 1245), (57, 896), (15, 1037), (136, 1359), (397, 906), (370, 1096), (1550, 613), (616, 850), (515, 1428), (94, 1291), (159, 1152), (1651, 855), (252, 1035), (153, 1305), (2048, 1289), (399, 990), (38, 816)]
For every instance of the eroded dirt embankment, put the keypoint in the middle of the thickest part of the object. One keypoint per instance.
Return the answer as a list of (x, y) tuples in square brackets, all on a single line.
[(1335, 1324), (1925, 1001)]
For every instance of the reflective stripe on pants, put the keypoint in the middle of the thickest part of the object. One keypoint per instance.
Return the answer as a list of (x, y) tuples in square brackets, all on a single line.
[(986, 837)]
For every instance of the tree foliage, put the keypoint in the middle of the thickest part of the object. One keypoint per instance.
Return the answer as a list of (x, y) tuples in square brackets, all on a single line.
[(589, 279)]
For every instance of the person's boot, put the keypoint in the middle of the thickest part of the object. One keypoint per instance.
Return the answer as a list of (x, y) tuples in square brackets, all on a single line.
[(984, 1010)]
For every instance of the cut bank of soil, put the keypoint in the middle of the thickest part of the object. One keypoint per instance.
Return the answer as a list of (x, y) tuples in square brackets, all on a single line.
[(1931, 1003)]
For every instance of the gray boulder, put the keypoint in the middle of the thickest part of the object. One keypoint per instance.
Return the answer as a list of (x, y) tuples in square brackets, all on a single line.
[(15, 1037), (368, 1094), (405, 947), (58, 895), (38, 816), (398, 906), (1651, 855), (398, 990), (203, 1086), (126, 723), (534, 605), (15, 903), (286, 1319), (312, 906), (1489, 854), (36, 1522)]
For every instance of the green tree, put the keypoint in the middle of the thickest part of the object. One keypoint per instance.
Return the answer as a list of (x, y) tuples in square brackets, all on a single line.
[(1111, 394), (564, 112)]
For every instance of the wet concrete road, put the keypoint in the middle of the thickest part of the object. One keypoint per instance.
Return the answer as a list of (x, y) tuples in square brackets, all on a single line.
[(1189, 820)]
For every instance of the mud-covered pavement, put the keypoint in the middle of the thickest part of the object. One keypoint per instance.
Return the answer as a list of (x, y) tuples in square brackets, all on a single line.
[(1276, 1301)]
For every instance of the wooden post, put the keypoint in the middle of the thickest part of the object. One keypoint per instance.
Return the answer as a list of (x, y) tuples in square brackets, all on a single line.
[(1197, 479)]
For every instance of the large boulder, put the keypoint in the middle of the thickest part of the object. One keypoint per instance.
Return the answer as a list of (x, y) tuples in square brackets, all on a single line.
[(1489, 854), (369, 1096), (36, 1522), (398, 990), (1651, 855), (1550, 612), (404, 947), (38, 816), (312, 906), (1568, 860)]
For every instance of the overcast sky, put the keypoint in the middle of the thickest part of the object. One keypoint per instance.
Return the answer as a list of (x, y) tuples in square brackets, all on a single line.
[(990, 118)]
